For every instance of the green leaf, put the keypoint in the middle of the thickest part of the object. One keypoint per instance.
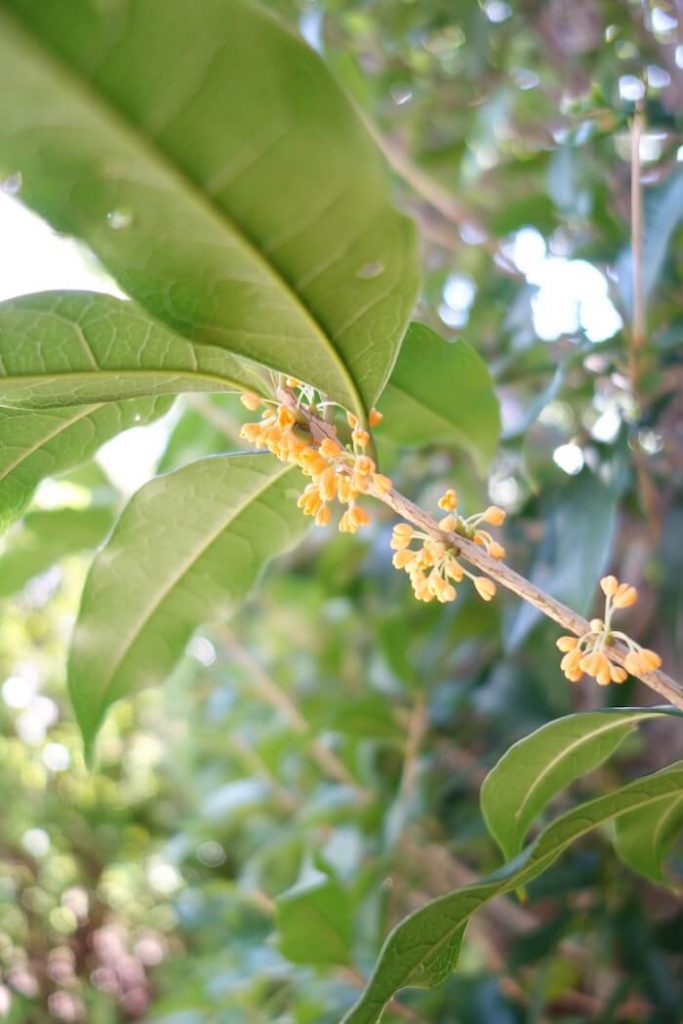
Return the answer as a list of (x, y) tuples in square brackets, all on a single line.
[(46, 536), (188, 548), (441, 393), (313, 920), (39, 444), (210, 430), (69, 348), (643, 839), (423, 949), (229, 185), (541, 765)]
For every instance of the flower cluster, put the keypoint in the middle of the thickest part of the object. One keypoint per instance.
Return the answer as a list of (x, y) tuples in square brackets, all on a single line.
[(433, 567), (590, 653), (471, 526), (337, 472)]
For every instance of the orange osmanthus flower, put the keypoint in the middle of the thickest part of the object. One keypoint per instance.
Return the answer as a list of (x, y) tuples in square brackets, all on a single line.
[(589, 653)]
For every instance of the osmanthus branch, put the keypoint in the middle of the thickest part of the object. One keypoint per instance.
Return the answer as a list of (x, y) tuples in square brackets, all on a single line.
[(497, 570), (439, 199)]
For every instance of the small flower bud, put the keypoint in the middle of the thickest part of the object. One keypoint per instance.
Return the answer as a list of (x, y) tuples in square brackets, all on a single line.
[(327, 483), (609, 585), (632, 663), (250, 401), (494, 515), (285, 417), (449, 501), (311, 461), (251, 432), (360, 516), (330, 449), (382, 484), (625, 596), (376, 417), (566, 643), (323, 516), (453, 569), (485, 587), (571, 660), (401, 536), (590, 663), (649, 660), (603, 676)]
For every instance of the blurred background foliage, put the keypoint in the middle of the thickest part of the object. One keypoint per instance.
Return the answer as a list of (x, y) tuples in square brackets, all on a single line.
[(312, 768)]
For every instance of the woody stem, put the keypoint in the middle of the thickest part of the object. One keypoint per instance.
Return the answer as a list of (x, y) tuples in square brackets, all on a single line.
[(658, 681)]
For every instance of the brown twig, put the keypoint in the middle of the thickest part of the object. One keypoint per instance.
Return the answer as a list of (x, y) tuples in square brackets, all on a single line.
[(638, 335), (270, 692), (638, 325), (496, 570), (417, 725), (440, 199)]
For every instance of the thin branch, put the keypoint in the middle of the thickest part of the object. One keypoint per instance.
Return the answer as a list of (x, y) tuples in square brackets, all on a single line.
[(440, 199), (260, 770), (497, 570), (638, 334), (266, 688), (638, 326), (417, 725)]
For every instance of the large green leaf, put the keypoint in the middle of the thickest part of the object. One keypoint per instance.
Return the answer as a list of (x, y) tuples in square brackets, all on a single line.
[(69, 348), (441, 392), (45, 536), (423, 949), (187, 548), (643, 839), (211, 161), (541, 765), (43, 443)]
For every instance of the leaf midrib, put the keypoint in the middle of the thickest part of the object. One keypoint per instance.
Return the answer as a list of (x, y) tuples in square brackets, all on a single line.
[(28, 380), (656, 832), (187, 565), (122, 122), (538, 779), (64, 425)]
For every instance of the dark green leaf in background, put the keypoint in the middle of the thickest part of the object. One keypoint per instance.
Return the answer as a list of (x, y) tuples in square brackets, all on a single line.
[(314, 921), (44, 537), (441, 393), (644, 838)]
